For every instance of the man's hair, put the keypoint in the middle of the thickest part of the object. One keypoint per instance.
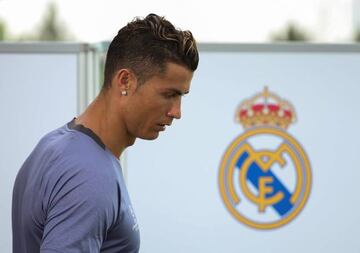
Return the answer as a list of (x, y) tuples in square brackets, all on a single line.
[(146, 45)]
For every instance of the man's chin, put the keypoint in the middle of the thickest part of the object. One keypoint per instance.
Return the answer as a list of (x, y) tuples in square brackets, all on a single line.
[(150, 137)]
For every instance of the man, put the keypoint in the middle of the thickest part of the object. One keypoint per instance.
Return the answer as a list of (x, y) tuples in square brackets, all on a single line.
[(69, 195)]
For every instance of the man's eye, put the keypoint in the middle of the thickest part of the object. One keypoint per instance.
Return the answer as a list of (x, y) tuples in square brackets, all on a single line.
[(170, 95)]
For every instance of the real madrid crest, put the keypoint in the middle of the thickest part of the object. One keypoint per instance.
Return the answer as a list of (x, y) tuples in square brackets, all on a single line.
[(265, 174)]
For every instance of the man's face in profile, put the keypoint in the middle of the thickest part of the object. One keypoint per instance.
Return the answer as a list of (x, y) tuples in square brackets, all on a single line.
[(155, 103)]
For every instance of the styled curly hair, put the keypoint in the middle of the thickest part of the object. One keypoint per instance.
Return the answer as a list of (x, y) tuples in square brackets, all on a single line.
[(146, 45)]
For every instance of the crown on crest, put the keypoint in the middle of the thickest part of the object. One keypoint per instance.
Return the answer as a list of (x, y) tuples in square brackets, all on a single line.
[(265, 109)]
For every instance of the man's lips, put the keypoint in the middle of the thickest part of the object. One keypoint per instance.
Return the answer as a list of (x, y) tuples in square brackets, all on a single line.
[(162, 126)]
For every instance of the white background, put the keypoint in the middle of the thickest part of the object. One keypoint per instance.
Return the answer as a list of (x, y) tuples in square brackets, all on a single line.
[(210, 21)]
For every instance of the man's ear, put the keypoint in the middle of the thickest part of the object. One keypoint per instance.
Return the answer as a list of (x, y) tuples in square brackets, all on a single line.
[(121, 79), (125, 81)]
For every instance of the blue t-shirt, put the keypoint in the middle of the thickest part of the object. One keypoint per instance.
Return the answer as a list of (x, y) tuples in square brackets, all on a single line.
[(70, 196)]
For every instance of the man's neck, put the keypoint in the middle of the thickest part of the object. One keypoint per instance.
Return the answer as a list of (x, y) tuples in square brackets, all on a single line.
[(107, 123)]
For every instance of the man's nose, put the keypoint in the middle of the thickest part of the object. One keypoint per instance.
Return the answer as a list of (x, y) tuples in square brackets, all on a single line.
[(175, 110)]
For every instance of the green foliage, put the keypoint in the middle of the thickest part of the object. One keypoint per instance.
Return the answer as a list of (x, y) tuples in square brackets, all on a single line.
[(51, 29), (2, 30), (357, 35), (291, 32)]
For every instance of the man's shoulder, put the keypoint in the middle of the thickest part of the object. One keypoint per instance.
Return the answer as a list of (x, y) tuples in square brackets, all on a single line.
[(68, 149), (74, 157), (68, 141)]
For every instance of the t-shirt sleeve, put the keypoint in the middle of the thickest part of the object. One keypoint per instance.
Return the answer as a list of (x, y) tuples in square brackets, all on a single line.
[(79, 210)]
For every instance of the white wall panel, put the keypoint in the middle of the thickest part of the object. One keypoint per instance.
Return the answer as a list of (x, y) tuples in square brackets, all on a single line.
[(38, 93), (173, 181)]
